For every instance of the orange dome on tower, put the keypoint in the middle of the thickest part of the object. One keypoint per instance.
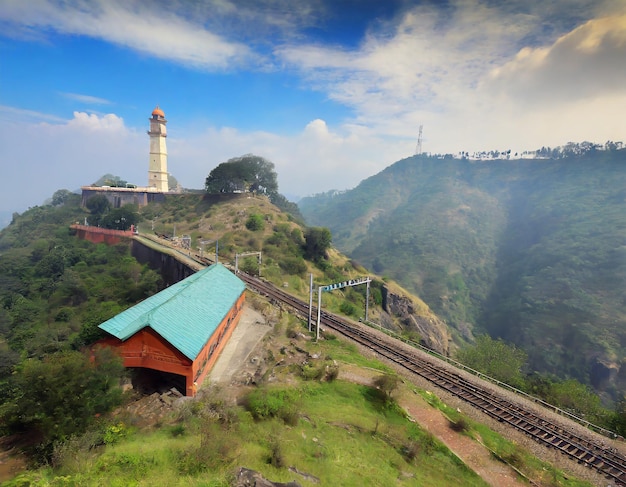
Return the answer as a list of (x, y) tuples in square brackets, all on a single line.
[(158, 111)]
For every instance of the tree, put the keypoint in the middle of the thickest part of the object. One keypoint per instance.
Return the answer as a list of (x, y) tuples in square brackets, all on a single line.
[(387, 384), (59, 396), (496, 359), (172, 182), (250, 265), (121, 218), (316, 242), (287, 206), (245, 173), (60, 197), (99, 206)]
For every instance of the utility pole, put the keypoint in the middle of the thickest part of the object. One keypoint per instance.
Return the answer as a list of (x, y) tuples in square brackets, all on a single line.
[(310, 301), (418, 148)]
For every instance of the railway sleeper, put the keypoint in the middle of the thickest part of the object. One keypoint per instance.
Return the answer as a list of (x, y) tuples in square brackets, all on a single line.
[(589, 458)]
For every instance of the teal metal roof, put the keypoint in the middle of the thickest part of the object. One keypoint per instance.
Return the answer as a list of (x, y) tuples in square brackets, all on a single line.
[(185, 314)]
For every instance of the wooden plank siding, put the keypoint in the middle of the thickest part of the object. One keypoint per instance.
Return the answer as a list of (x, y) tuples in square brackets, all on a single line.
[(147, 349)]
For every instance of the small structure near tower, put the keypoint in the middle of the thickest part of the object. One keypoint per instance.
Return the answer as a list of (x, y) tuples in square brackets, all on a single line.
[(157, 171)]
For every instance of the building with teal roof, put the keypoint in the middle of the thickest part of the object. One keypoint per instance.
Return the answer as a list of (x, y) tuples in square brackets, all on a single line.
[(182, 329)]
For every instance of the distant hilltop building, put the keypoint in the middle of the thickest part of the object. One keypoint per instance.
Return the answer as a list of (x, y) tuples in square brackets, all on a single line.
[(157, 172)]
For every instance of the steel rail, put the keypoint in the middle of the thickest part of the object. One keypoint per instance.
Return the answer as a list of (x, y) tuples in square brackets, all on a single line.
[(593, 454)]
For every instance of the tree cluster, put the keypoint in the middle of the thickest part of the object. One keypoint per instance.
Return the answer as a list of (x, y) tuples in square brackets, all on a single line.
[(54, 292), (506, 363), (102, 215), (60, 395), (248, 173)]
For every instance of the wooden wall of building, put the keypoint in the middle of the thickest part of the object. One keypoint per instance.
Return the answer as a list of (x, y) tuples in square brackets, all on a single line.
[(147, 349)]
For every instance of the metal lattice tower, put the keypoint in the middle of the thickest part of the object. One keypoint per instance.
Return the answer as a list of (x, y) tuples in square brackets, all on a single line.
[(418, 148)]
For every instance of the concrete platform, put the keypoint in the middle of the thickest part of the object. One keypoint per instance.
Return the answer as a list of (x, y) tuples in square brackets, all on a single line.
[(249, 332)]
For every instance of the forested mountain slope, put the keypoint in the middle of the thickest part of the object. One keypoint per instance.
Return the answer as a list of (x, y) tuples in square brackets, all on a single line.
[(530, 250)]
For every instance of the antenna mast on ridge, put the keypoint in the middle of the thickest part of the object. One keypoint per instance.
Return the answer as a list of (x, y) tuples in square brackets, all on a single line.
[(418, 148)]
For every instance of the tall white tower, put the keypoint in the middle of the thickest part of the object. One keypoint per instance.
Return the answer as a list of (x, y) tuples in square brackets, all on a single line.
[(157, 172)]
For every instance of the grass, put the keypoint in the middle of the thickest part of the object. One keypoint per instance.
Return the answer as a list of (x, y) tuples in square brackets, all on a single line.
[(341, 437), (337, 432)]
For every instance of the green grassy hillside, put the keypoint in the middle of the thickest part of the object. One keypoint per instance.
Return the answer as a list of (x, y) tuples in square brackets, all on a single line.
[(302, 420)]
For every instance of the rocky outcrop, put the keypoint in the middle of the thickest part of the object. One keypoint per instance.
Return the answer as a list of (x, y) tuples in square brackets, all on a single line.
[(410, 316), (250, 478)]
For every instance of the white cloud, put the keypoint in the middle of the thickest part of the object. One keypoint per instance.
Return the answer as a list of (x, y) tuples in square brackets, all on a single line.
[(481, 76), (314, 160), (426, 60), (137, 25), (87, 99), (478, 76), (44, 157), (588, 62), (41, 157), (94, 123)]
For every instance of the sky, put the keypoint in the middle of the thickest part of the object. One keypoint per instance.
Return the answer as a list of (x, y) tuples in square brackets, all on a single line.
[(330, 91)]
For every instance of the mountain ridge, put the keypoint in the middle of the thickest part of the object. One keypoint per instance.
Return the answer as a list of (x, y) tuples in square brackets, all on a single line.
[(529, 250)]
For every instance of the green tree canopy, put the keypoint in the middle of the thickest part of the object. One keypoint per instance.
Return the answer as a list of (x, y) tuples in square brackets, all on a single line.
[(245, 173), (61, 196), (121, 218), (99, 206), (61, 395), (255, 222), (316, 242), (496, 359)]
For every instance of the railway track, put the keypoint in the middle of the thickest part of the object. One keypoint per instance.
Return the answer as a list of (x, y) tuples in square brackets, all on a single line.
[(586, 451)]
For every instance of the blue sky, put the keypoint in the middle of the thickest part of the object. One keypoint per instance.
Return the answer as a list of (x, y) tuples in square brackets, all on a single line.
[(331, 92)]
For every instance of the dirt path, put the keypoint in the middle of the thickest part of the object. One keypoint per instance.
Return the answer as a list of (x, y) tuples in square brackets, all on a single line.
[(472, 453), (476, 456)]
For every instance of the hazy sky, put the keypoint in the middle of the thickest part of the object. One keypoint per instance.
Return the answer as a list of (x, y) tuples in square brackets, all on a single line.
[(330, 91)]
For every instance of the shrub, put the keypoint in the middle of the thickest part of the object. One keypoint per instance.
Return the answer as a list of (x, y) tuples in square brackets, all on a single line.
[(348, 308), (410, 451), (332, 373), (292, 331), (276, 458), (310, 372), (178, 430), (459, 425), (387, 384), (273, 403), (293, 265), (64, 315), (255, 222), (218, 448), (114, 433)]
